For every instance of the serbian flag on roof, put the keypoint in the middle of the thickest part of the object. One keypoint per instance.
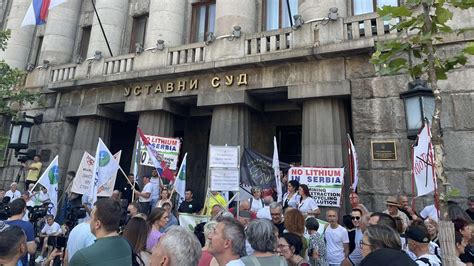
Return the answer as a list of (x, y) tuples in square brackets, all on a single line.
[(158, 161), (38, 11)]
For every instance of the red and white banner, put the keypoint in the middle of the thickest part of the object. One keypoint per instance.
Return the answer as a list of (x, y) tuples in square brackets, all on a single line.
[(423, 163), (354, 165)]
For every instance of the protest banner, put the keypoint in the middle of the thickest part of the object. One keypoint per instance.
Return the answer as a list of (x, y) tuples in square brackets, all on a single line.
[(81, 182), (325, 184), (258, 170), (167, 147), (189, 221), (423, 163)]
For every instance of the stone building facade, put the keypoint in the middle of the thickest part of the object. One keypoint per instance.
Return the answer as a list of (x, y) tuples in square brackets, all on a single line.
[(308, 85)]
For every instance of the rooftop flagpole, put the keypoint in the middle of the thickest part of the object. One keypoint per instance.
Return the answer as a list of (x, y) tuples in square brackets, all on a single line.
[(102, 28)]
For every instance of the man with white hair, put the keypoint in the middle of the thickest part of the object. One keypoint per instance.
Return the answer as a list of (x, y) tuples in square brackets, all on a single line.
[(13, 193), (177, 247)]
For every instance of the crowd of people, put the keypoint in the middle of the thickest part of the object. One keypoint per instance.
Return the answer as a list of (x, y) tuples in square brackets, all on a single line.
[(258, 231)]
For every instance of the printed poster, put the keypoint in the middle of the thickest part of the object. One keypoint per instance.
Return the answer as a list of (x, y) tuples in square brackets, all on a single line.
[(325, 184), (168, 147)]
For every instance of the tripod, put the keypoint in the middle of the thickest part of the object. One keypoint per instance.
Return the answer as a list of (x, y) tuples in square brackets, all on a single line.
[(20, 173)]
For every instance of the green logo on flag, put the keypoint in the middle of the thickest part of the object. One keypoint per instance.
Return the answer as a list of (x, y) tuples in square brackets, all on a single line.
[(104, 158), (53, 175)]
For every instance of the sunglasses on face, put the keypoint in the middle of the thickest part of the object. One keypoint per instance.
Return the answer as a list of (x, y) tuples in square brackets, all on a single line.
[(355, 218)]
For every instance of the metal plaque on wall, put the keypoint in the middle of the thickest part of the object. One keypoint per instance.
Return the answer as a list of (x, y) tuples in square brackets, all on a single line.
[(384, 150)]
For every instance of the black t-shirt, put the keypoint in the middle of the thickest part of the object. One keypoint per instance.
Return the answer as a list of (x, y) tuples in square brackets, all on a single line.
[(189, 206), (471, 214), (127, 191), (281, 228)]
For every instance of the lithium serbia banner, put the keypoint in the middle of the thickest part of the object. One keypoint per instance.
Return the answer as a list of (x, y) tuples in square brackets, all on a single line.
[(325, 184), (167, 147)]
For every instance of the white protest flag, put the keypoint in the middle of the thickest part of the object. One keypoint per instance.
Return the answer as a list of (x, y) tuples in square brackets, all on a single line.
[(84, 174), (354, 164), (180, 183), (107, 188), (276, 168), (49, 179), (423, 171), (104, 167)]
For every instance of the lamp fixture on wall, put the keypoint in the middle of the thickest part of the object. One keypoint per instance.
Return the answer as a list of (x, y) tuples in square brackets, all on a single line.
[(96, 57), (30, 67), (160, 46), (138, 48), (332, 16), (20, 131), (45, 65), (419, 104), (236, 33)]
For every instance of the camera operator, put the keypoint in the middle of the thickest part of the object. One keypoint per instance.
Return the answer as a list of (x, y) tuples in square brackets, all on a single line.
[(17, 210), (48, 233), (33, 170)]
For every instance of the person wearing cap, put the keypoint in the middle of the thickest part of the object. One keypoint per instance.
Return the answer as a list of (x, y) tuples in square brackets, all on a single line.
[(392, 210), (13, 193), (418, 242)]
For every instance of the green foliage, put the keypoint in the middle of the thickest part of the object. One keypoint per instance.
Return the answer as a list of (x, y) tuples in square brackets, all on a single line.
[(10, 77), (409, 52)]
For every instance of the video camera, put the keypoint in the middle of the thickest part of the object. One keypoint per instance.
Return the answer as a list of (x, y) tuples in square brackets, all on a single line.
[(76, 213), (37, 212)]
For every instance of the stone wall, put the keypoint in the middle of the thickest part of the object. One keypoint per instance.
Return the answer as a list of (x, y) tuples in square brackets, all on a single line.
[(378, 114)]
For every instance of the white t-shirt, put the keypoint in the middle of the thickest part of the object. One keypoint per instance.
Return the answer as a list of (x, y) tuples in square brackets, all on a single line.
[(335, 238), (43, 196), (264, 213), (356, 255), (237, 262), (430, 211), (148, 188), (13, 195), (256, 205), (79, 238), (433, 260), (307, 205), (293, 201), (51, 229), (155, 184)]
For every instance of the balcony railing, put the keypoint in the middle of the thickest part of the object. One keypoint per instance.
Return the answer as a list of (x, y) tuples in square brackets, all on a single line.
[(346, 34), (62, 73), (119, 64), (186, 54), (267, 42), (366, 25)]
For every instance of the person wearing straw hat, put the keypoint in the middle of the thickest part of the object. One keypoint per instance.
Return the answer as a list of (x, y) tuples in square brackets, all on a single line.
[(392, 210)]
